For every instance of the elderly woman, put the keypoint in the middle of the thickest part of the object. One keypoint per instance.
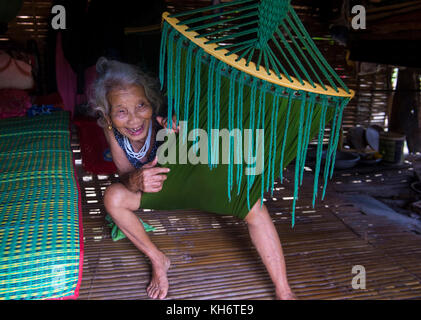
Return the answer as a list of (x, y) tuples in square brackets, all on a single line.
[(128, 102)]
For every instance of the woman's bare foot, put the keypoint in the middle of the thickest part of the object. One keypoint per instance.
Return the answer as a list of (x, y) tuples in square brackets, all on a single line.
[(158, 288), (288, 295)]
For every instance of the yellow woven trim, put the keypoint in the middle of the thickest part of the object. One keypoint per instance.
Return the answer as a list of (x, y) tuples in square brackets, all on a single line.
[(251, 69)]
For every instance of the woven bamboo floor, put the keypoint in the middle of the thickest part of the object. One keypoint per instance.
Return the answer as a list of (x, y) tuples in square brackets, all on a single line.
[(213, 258)]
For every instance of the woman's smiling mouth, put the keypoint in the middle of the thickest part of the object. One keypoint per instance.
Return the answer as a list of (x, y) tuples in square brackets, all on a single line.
[(135, 131)]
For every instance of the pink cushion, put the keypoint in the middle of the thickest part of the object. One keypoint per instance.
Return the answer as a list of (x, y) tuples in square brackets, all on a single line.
[(14, 73)]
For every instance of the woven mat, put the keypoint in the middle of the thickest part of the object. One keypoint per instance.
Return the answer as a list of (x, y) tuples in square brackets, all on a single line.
[(40, 227)]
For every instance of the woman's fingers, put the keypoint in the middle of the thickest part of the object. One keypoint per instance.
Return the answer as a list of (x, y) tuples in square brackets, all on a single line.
[(155, 183), (157, 178), (152, 179), (153, 188), (149, 172), (164, 123), (174, 124), (161, 121)]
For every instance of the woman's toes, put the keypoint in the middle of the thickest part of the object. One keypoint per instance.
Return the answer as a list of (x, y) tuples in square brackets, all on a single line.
[(155, 292), (163, 294), (150, 290)]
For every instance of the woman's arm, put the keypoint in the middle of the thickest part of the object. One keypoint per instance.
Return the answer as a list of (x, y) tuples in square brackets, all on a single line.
[(124, 167), (119, 157), (146, 179)]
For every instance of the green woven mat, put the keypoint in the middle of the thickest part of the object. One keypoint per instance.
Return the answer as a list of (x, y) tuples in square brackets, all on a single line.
[(40, 249)]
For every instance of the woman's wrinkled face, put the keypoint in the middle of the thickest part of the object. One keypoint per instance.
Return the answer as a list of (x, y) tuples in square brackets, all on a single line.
[(130, 112)]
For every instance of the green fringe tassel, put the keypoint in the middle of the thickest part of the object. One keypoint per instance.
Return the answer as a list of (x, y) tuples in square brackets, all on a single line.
[(198, 67), (231, 103), (272, 158), (299, 153), (290, 92), (240, 127), (309, 120), (338, 126), (261, 125), (250, 153), (187, 88), (163, 54), (319, 148), (177, 85), (170, 68)]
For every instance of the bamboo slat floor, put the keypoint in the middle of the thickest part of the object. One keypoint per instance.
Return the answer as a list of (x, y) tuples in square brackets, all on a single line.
[(213, 258)]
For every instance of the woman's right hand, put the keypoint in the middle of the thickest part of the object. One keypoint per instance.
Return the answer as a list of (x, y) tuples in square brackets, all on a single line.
[(148, 178)]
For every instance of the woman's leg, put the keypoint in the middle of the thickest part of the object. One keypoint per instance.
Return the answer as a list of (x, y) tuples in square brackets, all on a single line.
[(120, 203), (266, 240)]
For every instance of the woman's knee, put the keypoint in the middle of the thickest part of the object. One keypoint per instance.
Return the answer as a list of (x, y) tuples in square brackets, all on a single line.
[(258, 211), (118, 196), (113, 195)]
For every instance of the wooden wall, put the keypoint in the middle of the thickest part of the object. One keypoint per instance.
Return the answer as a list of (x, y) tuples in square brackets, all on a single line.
[(31, 23)]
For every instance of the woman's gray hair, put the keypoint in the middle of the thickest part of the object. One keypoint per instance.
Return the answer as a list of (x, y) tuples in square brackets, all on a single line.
[(112, 74)]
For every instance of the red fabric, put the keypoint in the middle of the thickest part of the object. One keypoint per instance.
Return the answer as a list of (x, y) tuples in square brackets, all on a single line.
[(14, 103), (50, 99), (93, 145), (67, 80)]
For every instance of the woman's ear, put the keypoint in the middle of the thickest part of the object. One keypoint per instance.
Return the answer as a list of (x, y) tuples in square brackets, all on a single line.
[(109, 122)]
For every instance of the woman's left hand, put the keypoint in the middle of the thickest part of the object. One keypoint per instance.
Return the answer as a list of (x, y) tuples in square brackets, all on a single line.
[(164, 123)]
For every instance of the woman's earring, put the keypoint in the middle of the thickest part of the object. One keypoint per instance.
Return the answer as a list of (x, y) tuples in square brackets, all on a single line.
[(109, 127)]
